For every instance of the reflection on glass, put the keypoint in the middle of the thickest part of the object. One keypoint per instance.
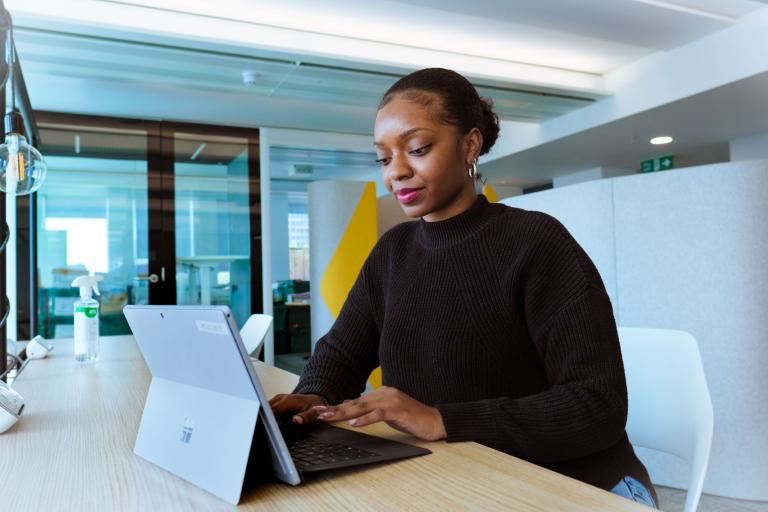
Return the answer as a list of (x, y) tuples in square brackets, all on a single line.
[(92, 219), (212, 222), (298, 243)]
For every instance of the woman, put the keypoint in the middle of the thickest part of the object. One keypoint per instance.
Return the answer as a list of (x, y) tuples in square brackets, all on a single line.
[(490, 323)]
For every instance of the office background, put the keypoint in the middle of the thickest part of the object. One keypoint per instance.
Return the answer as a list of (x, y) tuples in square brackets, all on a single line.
[(181, 139)]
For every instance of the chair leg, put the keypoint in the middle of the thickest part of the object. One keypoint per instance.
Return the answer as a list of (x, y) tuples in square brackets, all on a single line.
[(696, 484)]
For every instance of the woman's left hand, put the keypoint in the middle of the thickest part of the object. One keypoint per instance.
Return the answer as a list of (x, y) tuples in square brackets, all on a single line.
[(399, 410)]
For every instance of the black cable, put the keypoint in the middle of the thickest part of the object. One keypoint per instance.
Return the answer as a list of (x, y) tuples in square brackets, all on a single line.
[(5, 68), (7, 311), (6, 239), (15, 363), (7, 305)]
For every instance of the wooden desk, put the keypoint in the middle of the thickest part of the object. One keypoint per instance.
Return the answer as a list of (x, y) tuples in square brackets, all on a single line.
[(72, 450)]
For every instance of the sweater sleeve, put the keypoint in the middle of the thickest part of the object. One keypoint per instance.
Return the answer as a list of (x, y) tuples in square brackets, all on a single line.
[(346, 355), (571, 324)]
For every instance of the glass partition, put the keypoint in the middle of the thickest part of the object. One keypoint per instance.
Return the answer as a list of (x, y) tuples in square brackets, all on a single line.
[(167, 213), (91, 219), (212, 222)]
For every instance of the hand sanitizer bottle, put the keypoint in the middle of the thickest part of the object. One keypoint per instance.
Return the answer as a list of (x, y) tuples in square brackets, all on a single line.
[(87, 319)]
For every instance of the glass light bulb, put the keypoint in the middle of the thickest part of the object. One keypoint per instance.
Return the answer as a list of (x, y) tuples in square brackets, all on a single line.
[(22, 167)]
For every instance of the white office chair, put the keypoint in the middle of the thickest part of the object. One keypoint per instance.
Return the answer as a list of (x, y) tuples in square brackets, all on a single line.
[(670, 409), (253, 333)]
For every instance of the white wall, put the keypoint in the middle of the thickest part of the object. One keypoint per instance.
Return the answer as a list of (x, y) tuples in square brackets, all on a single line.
[(754, 147), (577, 177), (595, 173)]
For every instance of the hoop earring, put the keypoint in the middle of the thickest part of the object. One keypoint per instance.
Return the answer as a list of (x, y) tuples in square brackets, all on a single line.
[(473, 169)]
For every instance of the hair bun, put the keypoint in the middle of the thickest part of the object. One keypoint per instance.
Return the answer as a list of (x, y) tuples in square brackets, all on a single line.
[(489, 125)]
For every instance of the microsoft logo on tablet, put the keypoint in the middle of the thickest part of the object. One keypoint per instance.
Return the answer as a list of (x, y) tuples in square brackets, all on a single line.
[(186, 431)]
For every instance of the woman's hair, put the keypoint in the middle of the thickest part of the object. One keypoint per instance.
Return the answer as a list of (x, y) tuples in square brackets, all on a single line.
[(460, 106)]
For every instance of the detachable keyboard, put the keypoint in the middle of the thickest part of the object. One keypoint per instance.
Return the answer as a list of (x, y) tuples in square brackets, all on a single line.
[(318, 447), (310, 452)]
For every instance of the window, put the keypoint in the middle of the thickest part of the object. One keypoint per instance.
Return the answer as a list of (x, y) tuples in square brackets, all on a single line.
[(298, 245), (85, 242)]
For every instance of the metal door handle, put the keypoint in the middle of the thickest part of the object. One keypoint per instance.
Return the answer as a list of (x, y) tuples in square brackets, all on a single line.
[(152, 278)]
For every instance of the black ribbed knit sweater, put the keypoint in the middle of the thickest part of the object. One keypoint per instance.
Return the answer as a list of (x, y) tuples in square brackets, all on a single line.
[(499, 319)]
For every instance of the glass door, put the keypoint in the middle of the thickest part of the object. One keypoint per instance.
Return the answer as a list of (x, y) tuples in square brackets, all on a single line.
[(92, 215), (166, 213), (217, 242)]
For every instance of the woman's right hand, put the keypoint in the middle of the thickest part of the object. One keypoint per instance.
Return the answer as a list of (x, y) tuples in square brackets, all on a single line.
[(300, 406)]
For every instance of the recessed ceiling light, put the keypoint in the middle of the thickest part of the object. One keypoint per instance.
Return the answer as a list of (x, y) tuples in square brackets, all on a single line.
[(665, 139)]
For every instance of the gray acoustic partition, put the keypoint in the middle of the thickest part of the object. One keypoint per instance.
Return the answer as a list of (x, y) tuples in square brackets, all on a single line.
[(586, 210), (690, 252)]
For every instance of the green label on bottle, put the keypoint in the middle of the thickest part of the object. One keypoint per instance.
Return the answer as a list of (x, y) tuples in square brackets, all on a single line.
[(89, 311)]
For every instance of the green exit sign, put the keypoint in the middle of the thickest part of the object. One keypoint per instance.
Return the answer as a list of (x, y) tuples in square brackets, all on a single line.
[(663, 163)]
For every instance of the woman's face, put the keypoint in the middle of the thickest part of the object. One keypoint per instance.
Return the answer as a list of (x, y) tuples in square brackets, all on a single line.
[(424, 162)]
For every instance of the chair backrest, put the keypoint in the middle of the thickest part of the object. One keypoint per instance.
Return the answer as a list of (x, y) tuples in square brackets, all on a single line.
[(253, 333), (670, 409)]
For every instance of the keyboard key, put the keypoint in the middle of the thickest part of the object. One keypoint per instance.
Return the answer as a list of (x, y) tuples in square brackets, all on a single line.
[(308, 452)]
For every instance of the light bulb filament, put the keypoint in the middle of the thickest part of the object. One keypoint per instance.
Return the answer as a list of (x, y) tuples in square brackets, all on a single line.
[(16, 155)]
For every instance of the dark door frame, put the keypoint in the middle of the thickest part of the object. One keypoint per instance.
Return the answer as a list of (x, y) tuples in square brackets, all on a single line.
[(168, 132), (161, 201)]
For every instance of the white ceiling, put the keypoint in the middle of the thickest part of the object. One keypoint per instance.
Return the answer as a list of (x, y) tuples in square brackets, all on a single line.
[(584, 36), (591, 36), (120, 61), (702, 126), (640, 24), (538, 59)]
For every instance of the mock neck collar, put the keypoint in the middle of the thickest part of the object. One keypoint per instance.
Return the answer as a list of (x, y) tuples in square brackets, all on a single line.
[(447, 232)]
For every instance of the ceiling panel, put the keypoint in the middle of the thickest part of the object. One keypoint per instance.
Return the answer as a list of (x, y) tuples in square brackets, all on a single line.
[(74, 55), (645, 23), (411, 27), (734, 8), (90, 58)]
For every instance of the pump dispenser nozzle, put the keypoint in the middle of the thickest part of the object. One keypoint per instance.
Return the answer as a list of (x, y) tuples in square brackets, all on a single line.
[(87, 284)]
